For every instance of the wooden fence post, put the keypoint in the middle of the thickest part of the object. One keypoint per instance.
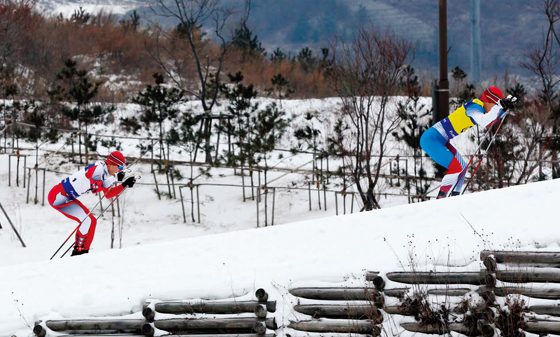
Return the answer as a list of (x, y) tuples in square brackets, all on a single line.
[(336, 202), (273, 203), (182, 204), (265, 206), (17, 168), (36, 185), (157, 187), (309, 193), (44, 179), (325, 196), (198, 202), (257, 204), (24, 168), (29, 183)]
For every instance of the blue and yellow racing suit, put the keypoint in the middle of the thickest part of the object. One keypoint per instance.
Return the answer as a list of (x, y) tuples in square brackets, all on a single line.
[(435, 140)]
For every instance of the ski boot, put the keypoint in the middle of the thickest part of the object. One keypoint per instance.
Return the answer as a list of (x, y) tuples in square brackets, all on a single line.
[(79, 251)]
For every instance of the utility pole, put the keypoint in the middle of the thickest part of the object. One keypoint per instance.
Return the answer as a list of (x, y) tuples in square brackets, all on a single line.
[(475, 41), (443, 90)]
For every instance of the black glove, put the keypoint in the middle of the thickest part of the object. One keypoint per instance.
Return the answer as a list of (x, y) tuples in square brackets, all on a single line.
[(120, 175), (508, 102), (129, 182)]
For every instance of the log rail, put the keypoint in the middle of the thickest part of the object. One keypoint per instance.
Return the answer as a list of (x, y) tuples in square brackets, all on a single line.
[(359, 310)]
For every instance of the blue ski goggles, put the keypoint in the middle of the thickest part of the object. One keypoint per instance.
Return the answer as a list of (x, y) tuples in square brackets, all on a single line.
[(120, 167)]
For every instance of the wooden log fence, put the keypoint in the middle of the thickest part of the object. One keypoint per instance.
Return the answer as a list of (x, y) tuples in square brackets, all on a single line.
[(396, 292), (261, 295), (339, 294), (233, 307), (216, 325), (551, 258), (449, 291), (378, 281), (509, 267), (338, 326), (549, 294), (398, 310), (354, 317), (434, 328), (541, 293), (260, 307), (370, 275), (177, 335), (443, 329), (138, 326), (97, 325), (541, 327), (552, 310), (539, 275), (475, 278), (348, 311), (341, 318), (242, 326)]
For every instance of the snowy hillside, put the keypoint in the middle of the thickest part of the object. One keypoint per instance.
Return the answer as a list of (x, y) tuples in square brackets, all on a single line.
[(332, 250), (68, 7), (158, 256)]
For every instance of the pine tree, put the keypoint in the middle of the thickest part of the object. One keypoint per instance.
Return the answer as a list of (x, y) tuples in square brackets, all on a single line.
[(241, 106), (277, 55), (465, 91), (280, 87), (10, 112), (267, 129), (160, 105), (36, 127), (415, 120), (308, 135), (77, 88), (244, 40), (306, 60)]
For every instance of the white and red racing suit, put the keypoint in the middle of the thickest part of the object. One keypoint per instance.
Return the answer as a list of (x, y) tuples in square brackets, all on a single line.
[(64, 197)]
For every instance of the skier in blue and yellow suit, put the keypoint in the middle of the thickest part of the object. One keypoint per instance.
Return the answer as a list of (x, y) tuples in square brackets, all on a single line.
[(435, 140)]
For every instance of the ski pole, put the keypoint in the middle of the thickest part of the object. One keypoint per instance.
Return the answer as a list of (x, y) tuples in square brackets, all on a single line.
[(481, 155), (74, 231), (103, 212), (100, 215), (464, 171)]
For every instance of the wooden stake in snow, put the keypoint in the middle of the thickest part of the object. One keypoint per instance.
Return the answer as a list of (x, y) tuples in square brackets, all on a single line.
[(11, 224)]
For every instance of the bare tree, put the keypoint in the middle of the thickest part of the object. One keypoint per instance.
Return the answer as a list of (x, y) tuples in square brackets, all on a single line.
[(532, 123), (14, 19), (187, 46), (365, 74), (544, 61)]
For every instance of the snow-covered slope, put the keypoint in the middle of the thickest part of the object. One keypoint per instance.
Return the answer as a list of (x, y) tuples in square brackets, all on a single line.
[(336, 250), (68, 7)]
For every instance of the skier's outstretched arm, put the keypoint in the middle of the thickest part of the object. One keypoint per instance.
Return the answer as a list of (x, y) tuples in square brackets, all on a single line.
[(114, 191)]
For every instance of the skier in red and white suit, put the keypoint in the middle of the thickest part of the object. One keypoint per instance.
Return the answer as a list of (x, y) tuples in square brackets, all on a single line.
[(98, 177)]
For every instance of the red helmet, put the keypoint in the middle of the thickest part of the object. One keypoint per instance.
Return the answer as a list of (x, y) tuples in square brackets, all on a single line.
[(115, 158), (492, 95)]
